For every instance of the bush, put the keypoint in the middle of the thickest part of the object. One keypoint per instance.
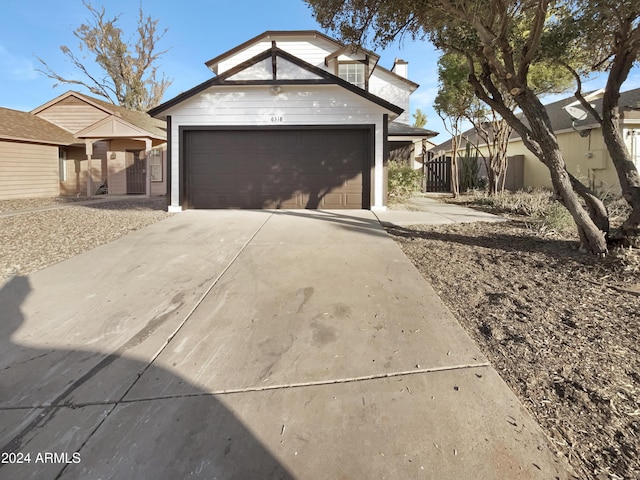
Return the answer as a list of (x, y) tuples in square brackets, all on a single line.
[(403, 180), (538, 204)]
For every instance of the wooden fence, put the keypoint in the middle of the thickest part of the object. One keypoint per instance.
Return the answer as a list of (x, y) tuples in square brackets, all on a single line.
[(437, 172)]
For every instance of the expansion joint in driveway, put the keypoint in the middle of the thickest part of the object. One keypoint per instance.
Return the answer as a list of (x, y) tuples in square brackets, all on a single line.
[(197, 304), (114, 404)]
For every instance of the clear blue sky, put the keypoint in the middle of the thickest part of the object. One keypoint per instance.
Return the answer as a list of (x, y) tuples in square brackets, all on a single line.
[(198, 30)]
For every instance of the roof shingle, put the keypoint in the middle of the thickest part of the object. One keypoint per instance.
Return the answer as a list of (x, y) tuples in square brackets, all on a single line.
[(27, 127)]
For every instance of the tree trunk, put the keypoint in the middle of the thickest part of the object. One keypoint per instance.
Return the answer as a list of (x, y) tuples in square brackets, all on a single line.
[(597, 211), (591, 237), (625, 168)]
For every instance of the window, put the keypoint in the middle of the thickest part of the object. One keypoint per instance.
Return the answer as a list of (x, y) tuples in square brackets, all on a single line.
[(155, 165), (352, 73), (62, 165)]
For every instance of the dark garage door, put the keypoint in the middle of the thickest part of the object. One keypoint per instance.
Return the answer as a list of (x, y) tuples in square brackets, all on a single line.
[(276, 168)]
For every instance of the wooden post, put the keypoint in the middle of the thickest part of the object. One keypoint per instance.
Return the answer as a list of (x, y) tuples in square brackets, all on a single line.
[(147, 156)]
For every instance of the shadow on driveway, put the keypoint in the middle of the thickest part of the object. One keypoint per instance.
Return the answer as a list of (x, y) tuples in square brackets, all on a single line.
[(193, 436), (502, 241)]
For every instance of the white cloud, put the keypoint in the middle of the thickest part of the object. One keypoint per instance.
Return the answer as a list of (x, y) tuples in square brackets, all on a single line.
[(16, 67)]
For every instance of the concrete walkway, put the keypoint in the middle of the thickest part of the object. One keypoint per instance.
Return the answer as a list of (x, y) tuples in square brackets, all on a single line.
[(251, 345), (421, 210)]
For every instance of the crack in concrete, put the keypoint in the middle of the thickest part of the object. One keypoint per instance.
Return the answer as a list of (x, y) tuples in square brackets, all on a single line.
[(286, 386)]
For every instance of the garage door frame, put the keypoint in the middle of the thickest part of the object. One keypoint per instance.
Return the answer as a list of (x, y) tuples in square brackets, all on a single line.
[(367, 179)]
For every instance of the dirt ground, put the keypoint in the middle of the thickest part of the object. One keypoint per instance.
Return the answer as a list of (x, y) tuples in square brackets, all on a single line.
[(561, 327)]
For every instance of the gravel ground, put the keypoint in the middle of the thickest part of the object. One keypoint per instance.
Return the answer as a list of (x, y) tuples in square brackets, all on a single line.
[(32, 241), (561, 327), (29, 203)]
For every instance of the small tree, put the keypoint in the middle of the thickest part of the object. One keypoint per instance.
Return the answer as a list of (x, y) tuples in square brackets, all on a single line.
[(420, 118), (129, 74)]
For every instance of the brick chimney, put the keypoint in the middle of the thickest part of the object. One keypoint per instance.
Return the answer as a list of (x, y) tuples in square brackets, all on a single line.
[(400, 67)]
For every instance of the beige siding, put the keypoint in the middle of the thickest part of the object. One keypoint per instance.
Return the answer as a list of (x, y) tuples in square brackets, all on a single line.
[(77, 168), (116, 164), (586, 157), (160, 188), (72, 114), (28, 170)]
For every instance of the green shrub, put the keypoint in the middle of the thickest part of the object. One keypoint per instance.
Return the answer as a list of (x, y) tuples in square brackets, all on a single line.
[(403, 180)]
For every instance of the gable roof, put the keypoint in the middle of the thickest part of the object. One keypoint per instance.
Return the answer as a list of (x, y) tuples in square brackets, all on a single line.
[(269, 35), (320, 77), (27, 127), (561, 121), (340, 48), (153, 127)]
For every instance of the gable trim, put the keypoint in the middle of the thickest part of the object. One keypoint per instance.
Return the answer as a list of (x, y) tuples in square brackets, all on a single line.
[(326, 78), (86, 132), (77, 95), (213, 63)]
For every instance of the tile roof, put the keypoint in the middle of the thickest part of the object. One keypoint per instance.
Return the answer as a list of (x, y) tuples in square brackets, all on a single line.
[(27, 127)]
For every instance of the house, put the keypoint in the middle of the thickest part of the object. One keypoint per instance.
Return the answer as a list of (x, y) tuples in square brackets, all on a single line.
[(580, 139), (29, 155), (75, 143), (291, 119)]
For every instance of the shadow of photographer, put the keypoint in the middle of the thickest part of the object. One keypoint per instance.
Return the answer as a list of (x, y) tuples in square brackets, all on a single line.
[(43, 415)]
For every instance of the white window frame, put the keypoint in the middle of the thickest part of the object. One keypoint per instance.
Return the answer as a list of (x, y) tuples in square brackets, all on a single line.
[(62, 164), (354, 73), (155, 165)]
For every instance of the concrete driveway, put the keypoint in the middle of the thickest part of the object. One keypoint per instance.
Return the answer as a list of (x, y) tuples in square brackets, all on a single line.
[(251, 344)]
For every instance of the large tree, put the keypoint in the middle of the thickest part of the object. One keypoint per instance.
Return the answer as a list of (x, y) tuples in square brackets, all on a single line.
[(127, 71), (492, 129), (604, 35), (501, 40)]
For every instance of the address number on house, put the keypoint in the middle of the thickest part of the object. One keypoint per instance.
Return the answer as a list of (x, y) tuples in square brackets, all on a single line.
[(277, 119)]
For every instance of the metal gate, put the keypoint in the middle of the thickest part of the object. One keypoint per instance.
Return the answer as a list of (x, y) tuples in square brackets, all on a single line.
[(136, 172)]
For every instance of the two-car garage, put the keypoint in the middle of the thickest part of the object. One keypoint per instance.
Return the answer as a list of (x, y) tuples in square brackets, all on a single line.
[(277, 167)]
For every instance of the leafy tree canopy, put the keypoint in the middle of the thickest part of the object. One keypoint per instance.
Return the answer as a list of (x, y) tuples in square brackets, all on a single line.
[(420, 118)]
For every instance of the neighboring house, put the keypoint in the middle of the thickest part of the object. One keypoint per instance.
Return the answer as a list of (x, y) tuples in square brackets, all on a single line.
[(81, 134), (29, 155), (292, 119), (409, 144), (581, 142)]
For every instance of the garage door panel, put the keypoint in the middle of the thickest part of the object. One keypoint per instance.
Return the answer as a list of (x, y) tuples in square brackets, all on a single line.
[(303, 168)]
